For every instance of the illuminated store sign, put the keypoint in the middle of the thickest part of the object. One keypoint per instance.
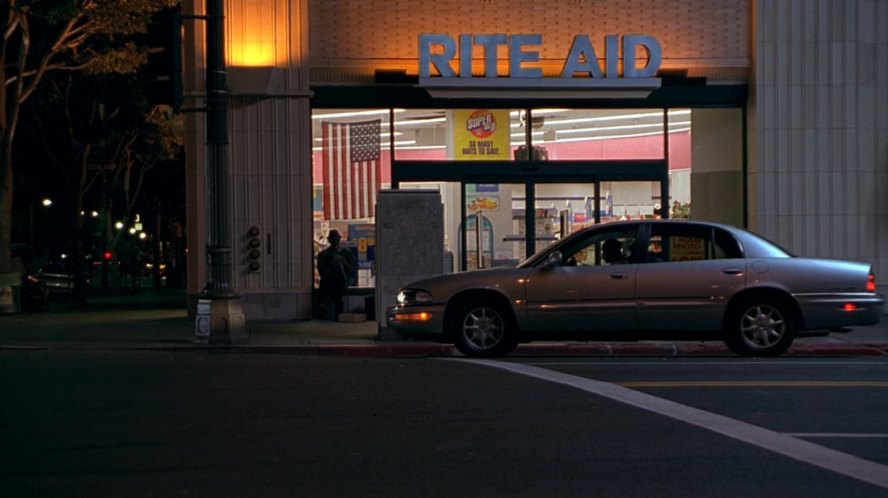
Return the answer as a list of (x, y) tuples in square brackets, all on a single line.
[(582, 68)]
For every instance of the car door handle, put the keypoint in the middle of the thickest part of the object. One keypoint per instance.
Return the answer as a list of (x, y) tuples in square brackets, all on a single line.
[(732, 271), (619, 276)]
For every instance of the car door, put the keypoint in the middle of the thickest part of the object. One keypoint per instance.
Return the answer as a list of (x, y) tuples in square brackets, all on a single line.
[(586, 292), (690, 273)]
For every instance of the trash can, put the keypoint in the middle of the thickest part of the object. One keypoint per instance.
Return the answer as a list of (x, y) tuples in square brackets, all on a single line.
[(10, 293), (202, 321)]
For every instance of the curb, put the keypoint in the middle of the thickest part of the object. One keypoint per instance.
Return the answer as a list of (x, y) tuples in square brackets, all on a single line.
[(424, 350), (694, 350), (840, 350)]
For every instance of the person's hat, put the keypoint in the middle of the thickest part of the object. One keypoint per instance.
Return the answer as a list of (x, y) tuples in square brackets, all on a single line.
[(334, 234)]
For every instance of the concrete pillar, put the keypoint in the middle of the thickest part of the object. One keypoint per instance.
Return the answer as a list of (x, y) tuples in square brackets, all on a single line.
[(819, 154), (270, 153)]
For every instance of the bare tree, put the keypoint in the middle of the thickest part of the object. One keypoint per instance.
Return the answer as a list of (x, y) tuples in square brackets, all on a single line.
[(101, 138), (74, 35)]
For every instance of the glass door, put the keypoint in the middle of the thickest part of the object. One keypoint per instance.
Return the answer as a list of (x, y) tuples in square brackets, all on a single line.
[(561, 209), (488, 224), (500, 213), (631, 200), (491, 233)]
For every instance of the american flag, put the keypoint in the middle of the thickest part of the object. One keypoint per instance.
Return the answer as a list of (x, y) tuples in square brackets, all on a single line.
[(351, 169)]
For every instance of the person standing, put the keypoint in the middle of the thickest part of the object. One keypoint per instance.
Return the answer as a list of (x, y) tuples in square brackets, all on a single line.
[(335, 267)]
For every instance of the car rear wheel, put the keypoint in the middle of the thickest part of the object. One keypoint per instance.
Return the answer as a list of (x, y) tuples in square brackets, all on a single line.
[(758, 327), (482, 330)]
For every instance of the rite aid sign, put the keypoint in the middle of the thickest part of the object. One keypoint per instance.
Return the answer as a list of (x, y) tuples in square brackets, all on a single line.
[(581, 69)]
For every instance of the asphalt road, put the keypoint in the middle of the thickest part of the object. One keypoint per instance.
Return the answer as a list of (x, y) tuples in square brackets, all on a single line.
[(191, 423)]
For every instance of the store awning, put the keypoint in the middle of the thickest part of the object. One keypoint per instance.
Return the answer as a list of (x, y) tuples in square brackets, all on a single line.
[(540, 88)]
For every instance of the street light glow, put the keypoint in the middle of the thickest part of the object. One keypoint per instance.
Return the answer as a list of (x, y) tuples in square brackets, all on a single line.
[(46, 202), (118, 225)]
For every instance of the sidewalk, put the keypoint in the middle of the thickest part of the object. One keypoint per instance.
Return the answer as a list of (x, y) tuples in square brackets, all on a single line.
[(158, 320)]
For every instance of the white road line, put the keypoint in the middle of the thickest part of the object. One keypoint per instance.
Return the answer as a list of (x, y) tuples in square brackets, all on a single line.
[(804, 451), (837, 435), (610, 362)]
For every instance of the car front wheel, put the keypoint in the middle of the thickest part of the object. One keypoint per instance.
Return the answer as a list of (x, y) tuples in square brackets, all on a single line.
[(760, 328), (482, 330)]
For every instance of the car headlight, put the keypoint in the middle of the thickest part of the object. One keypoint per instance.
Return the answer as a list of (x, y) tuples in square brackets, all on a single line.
[(410, 297)]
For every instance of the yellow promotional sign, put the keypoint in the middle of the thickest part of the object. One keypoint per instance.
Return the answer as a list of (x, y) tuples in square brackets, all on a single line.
[(687, 249), (481, 135)]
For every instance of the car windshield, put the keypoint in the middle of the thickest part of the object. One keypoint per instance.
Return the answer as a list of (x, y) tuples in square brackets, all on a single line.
[(567, 244), (533, 258)]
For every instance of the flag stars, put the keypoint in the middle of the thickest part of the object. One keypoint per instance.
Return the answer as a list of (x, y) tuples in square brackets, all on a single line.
[(365, 141)]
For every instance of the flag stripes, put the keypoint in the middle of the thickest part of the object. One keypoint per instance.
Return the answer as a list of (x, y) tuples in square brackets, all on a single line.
[(351, 169)]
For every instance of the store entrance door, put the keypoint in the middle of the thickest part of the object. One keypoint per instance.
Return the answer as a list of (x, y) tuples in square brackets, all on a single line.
[(499, 214), (492, 231), (507, 222), (561, 209)]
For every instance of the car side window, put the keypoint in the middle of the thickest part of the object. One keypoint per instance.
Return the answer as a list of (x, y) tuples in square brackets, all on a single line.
[(678, 243), (608, 248)]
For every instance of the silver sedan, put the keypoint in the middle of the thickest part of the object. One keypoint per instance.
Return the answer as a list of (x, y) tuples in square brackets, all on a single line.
[(636, 280)]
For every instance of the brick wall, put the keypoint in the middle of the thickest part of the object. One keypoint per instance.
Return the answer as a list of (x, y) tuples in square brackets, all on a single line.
[(351, 38)]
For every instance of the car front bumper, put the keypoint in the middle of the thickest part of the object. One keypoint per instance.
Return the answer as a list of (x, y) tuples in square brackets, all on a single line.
[(426, 321)]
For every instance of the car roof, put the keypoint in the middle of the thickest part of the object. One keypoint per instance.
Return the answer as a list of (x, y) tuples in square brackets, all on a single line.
[(55, 267), (753, 244)]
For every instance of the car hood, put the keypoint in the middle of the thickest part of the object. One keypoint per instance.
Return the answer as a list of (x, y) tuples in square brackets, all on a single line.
[(489, 278)]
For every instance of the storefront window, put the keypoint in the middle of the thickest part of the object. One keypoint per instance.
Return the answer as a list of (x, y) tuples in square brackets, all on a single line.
[(490, 223), (556, 134), (599, 134), (351, 161), (421, 134), (458, 134)]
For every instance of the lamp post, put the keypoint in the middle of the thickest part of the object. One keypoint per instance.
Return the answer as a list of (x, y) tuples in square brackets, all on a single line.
[(46, 202), (226, 320)]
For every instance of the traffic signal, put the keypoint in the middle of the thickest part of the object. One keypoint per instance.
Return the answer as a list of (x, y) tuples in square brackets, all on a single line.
[(164, 66), (253, 249)]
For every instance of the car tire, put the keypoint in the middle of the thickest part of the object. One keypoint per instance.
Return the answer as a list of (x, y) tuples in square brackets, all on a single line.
[(760, 327), (44, 294), (482, 330)]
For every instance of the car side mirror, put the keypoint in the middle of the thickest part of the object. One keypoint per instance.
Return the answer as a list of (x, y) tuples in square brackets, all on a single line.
[(553, 260)]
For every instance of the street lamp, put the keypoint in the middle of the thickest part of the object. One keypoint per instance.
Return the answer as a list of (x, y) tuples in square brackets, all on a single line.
[(225, 319), (46, 202)]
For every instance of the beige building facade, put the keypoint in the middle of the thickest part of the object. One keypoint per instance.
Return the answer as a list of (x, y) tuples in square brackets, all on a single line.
[(774, 116)]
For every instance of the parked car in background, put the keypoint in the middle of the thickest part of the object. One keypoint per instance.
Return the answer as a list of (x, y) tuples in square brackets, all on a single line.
[(646, 279), (34, 293), (58, 278)]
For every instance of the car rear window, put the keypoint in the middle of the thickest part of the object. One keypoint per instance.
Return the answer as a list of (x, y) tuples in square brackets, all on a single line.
[(670, 243)]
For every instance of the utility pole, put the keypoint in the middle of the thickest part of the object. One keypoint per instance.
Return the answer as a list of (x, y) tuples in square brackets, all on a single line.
[(226, 316)]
